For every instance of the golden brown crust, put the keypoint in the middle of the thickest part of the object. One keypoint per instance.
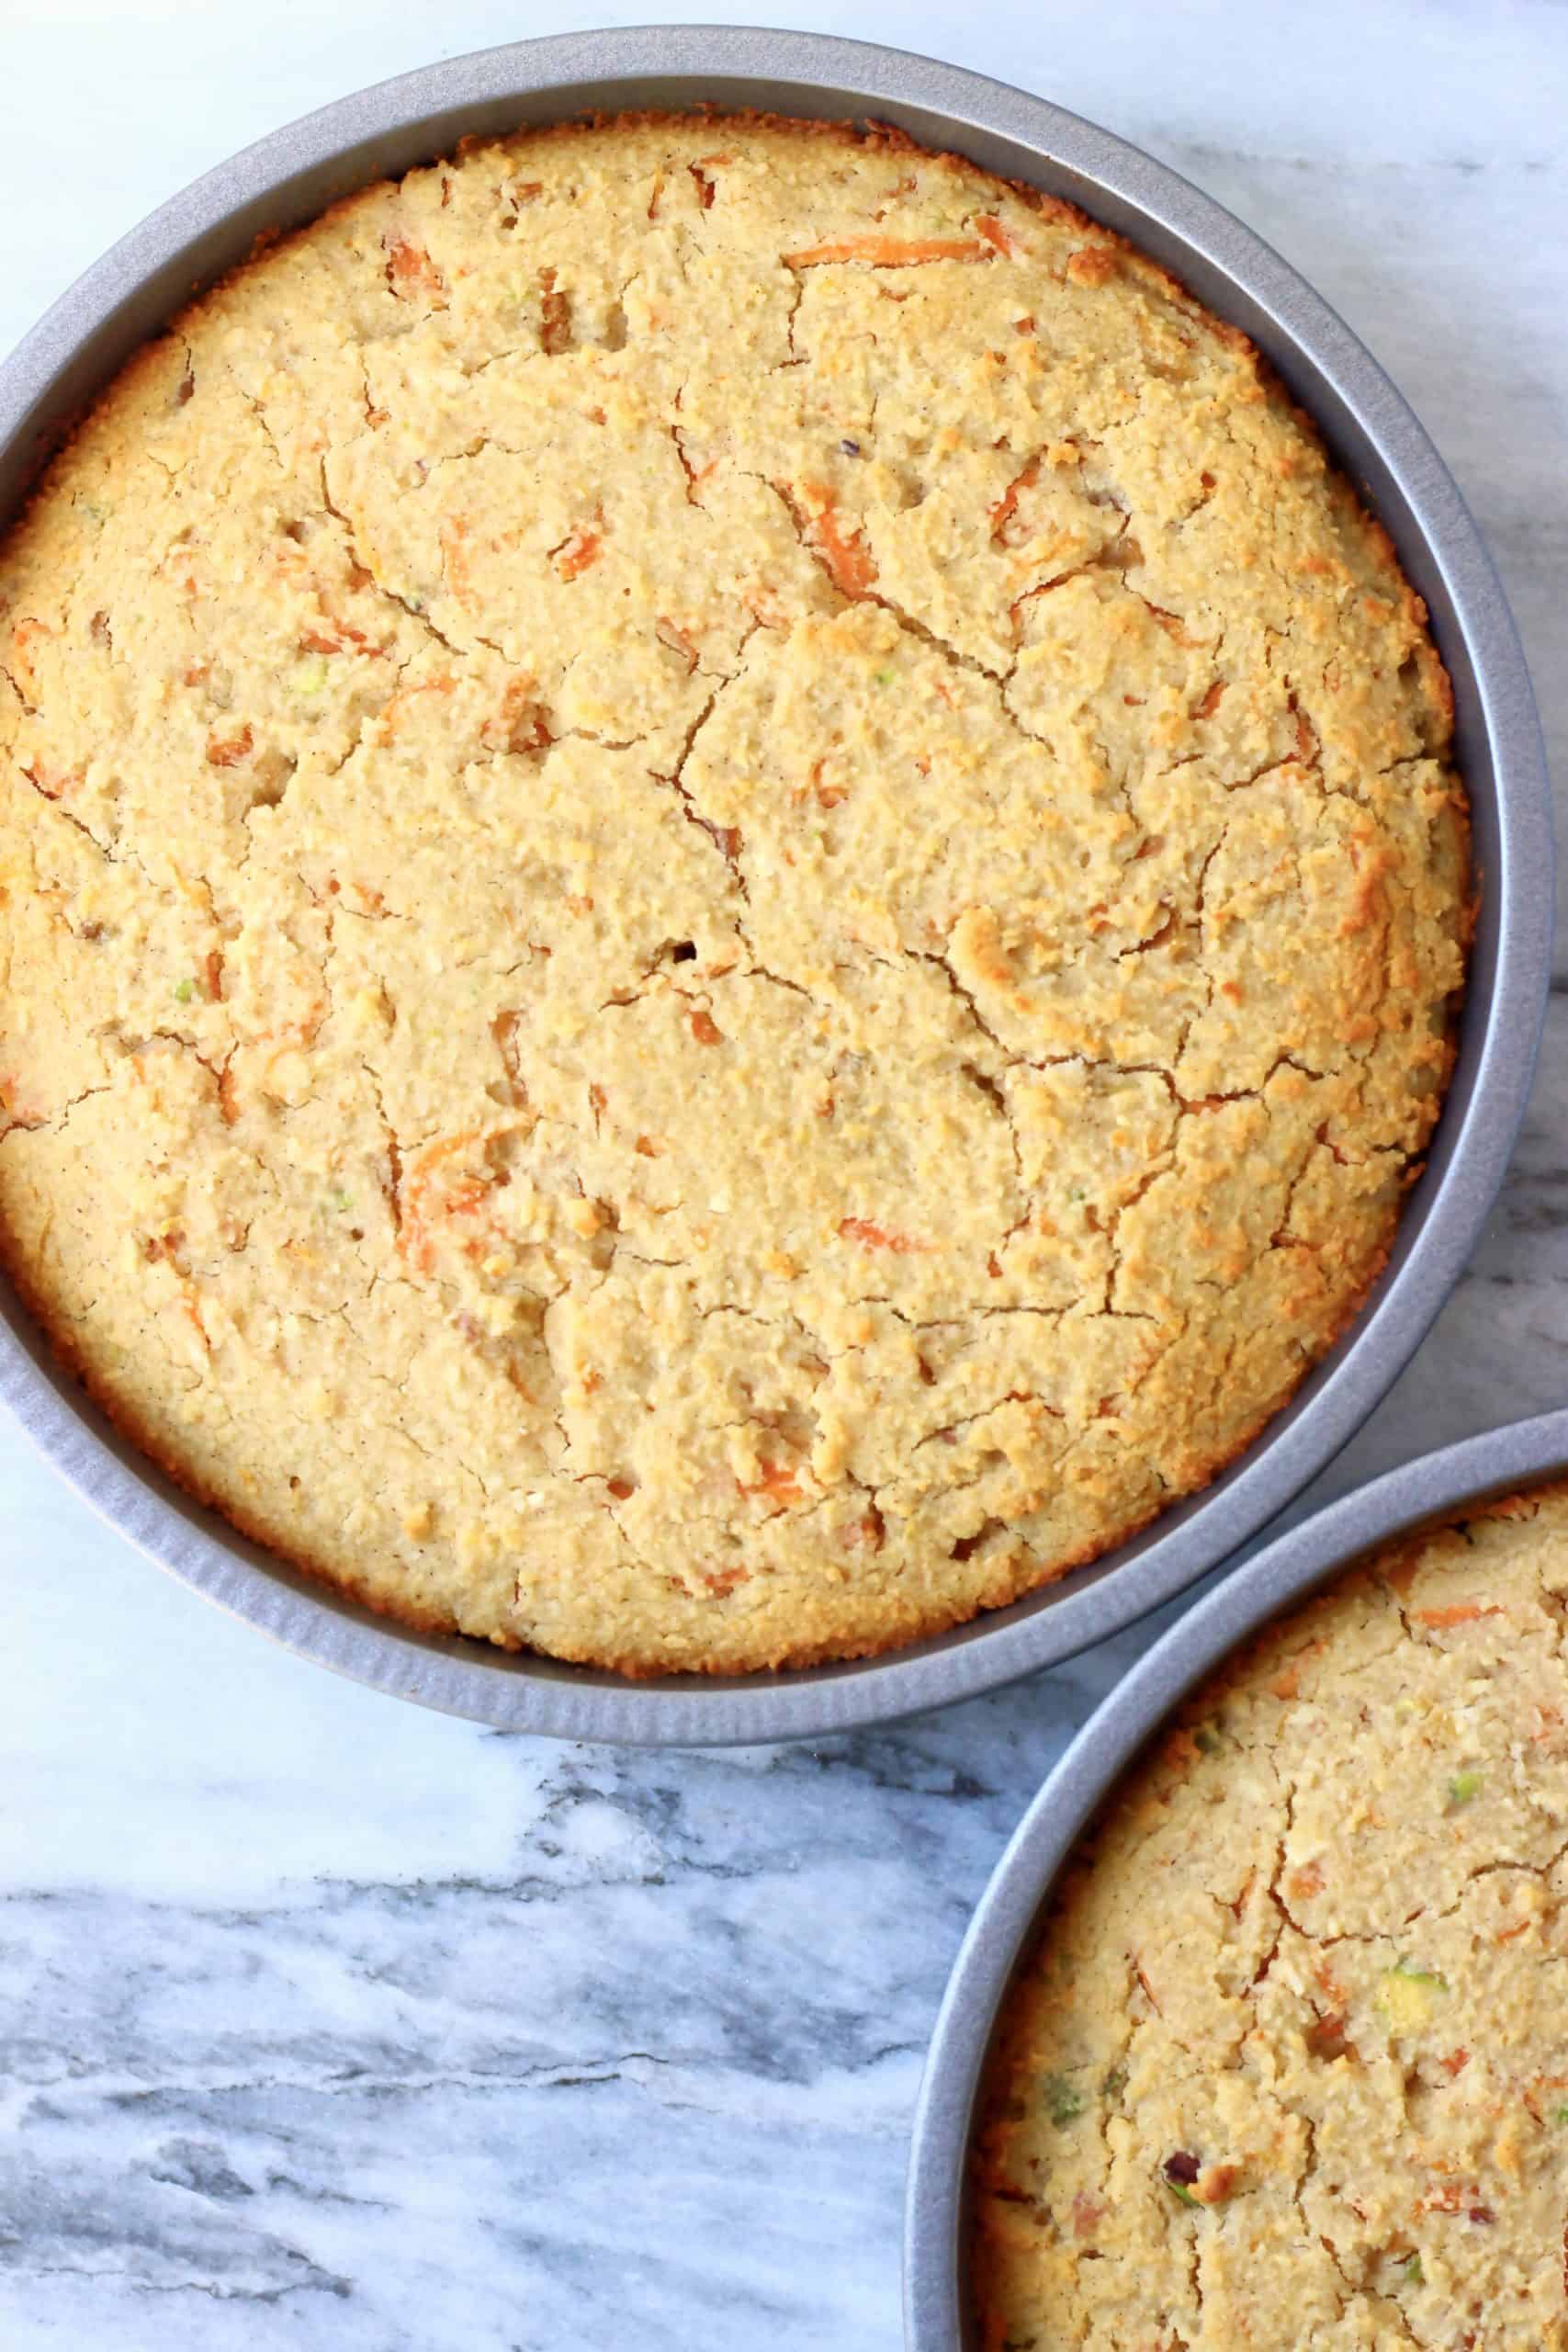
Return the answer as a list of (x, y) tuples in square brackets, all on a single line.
[(675, 992), (1290, 2060)]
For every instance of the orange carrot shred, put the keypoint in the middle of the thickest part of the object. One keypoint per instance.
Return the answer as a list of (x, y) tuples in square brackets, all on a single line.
[(994, 234), (409, 268), (228, 753), (421, 1209), (581, 550), (720, 1581), (876, 1237), (890, 252), (1006, 506), (846, 555), (778, 1481)]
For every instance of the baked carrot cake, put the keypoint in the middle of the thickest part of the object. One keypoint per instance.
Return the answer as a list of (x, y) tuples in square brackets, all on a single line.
[(732, 886), (1289, 2066)]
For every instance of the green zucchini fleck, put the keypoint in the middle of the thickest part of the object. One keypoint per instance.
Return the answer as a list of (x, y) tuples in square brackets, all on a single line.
[(1064, 2101)]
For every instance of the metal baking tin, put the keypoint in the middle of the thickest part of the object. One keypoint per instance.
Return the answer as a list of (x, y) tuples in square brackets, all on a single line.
[(290, 176), (936, 2314)]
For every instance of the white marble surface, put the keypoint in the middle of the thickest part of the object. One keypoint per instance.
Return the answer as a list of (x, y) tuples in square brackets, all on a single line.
[(324, 2023)]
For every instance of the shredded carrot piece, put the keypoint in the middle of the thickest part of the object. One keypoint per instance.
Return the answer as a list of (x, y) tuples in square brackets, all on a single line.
[(25, 635), (52, 786), (335, 637), (519, 725), (228, 753), (1092, 265), (293, 1037), (994, 234), (890, 252), (847, 556), (1450, 2197), (429, 1200), (581, 549), (876, 1237), (190, 1307), (1172, 625), (777, 1481), (1006, 506), (411, 269), (726, 837), (720, 1581), (705, 1029), (828, 794), (393, 709), (1460, 1612)]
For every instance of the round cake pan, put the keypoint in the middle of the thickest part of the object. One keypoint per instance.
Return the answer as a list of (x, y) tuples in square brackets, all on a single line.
[(936, 2302), (288, 179)]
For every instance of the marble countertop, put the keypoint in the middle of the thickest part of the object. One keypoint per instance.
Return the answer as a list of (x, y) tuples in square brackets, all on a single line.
[(327, 2023)]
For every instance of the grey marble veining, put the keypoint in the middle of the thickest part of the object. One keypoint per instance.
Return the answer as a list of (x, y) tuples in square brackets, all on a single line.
[(324, 2023), (625, 2057)]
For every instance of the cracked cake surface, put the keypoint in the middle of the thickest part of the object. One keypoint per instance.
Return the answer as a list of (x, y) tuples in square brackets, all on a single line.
[(1289, 2066), (732, 887)]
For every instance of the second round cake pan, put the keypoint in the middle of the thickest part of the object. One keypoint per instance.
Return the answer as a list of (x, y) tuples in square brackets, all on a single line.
[(1498, 1463), (293, 175)]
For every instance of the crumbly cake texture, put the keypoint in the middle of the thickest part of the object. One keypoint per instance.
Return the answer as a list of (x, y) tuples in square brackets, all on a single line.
[(1290, 2068), (731, 889)]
